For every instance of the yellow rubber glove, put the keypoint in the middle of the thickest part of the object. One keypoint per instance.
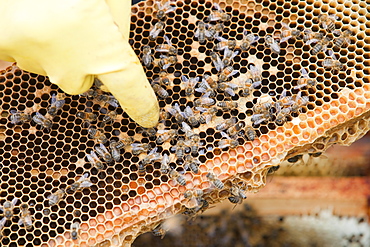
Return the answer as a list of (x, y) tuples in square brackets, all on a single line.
[(72, 41)]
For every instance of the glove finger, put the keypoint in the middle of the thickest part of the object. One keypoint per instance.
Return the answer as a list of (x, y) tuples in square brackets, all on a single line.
[(132, 89)]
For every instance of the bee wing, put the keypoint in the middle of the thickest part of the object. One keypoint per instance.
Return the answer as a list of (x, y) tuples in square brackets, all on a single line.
[(223, 134), (331, 53), (53, 98), (188, 112), (184, 79), (159, 49), (171, 9), (230, 91), (177, 108), (223, 144), (201, 90), (304, 73), (40, 115), (172, 111), (234, 72), (217, 6), (165, 159), (234, 54), (196, 34), (168, 41), (185, 127), (159, 5), (285, 39), (14, 201), (86, 184), (201, 109), (337, 32), (334, 17), (103, 148), (166, 66), (153, 151), (86, 175), (286, 26), (90, 158), (221, 39), (311, 41), (20, 222), (256, 84), (2, 222)]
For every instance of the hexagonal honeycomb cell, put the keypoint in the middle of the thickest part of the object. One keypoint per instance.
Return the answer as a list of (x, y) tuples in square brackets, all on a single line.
[(237, 129)]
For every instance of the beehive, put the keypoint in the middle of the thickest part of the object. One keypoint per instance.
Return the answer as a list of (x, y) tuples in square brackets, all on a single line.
[(121, 203)]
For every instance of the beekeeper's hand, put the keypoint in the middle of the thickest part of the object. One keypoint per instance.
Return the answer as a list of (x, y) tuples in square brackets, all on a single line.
[(72, 41)]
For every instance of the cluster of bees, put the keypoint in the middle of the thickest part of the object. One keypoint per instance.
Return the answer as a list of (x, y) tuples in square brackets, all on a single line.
[(25, 218), (204, 89)]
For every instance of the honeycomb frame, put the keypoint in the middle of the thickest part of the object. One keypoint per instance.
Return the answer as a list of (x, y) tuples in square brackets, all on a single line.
[(122, 204)]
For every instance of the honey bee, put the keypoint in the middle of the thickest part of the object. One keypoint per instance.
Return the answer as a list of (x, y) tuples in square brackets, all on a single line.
[(178, 177), (165, 164), (94, 160), (176, 112), (149, 132), (115, 152), (104, 99), (309, 35), (194, 143), (227, 105), (138, 148), (25, 219), (8, 207), (205, 100), (193, 193), (200, 33), (156, 30), (328, 21), (215, 181), (225, 43), (192, 163), (124, 142), (332, 63), (288, 33), (204, 88), (272, 44), (230, 89), (216, 60), (298, 102), (75, 227), (57, 103), (97, 135), (284, 100), (226, 73), (256, 73), (164, 62), (42, 120), (17, 117), (235, 129), (180, 148), (152, 156), (248, 86), (321, 45), (165, 135), (108, 118), (189, 115), (226, 124), (167, 48), (87, 116), (163, 79), (207, 114), (213, 30), (159, 231), (189, 84), (210, 81), (218, 14), (250, 133), (147, 57), (187, 129), (164, 9), (228, 142), (160, 91), (237, 195), (82, 182), (273, 169), (202, 206), (91, 93), (281, 114), (261, 117), (228, 56), (344, 38), (248, 40), (56, 197), (305, 80)]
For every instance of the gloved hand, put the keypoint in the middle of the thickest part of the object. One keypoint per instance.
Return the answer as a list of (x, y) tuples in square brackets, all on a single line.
[(72, 41)]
